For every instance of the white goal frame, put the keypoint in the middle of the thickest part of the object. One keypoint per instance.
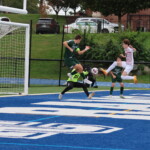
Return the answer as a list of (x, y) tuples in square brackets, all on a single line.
[(27, 42), (15, 10)]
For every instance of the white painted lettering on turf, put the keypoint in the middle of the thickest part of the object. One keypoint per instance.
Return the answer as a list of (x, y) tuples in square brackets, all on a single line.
[(135, 107), (140, 115), (32, 130)]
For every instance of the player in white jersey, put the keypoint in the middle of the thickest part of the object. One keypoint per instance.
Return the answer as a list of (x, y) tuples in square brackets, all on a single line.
[(129, 50)]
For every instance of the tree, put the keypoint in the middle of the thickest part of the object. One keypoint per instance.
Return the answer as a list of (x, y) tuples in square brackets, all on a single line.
[(43, 7), (74, 4), (32, 6), (66, 6), (57, 5), (116, 7)]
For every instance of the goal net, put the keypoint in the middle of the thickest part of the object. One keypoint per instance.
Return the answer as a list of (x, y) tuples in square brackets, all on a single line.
[(14, 58)]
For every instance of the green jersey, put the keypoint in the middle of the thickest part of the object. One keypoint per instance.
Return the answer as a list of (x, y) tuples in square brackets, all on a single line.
[(117, 71), (76, 76), (74, 46)]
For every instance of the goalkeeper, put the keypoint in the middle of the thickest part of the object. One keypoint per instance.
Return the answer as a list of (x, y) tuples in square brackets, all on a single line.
[(73, 83)]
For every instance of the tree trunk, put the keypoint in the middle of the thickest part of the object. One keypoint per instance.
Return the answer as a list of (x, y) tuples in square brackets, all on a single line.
[(119, 23), (74, 11), (57, 15), (41, 7)]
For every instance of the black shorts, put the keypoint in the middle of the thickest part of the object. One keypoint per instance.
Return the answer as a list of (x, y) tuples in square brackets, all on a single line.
[(117, 79), (71, 62)]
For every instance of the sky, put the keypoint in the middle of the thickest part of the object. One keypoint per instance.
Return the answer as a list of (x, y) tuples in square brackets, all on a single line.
[(62, 12)]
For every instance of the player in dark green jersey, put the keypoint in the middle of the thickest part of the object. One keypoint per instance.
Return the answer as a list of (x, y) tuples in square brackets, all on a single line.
[(116, 76), (72, 48), (73, 83)]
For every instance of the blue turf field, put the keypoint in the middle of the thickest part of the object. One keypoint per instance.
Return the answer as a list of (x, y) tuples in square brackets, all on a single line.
[(42, 122)]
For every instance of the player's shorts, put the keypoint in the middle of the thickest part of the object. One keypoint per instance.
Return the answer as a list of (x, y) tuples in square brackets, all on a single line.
[(128, 68), (71, 62), (117, 79)]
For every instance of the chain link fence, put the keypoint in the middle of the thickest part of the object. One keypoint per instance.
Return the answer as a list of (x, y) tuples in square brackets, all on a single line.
[(47, 63)]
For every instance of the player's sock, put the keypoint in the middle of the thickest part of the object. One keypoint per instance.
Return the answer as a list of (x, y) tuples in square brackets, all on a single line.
[(121, 90), (127, 77), (111, 90), (111, 67), (85, 90)]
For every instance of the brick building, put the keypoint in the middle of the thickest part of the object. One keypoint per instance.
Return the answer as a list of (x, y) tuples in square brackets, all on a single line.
[(136, 21)]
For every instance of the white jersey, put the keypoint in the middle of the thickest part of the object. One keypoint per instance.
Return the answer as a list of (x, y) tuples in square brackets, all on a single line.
[(112, 66), (129, 56)]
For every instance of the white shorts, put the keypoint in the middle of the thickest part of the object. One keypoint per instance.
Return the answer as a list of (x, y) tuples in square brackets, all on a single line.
[(128, 69)]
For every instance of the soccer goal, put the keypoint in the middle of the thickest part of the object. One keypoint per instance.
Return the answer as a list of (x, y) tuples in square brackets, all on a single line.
[(15, 10), (14, 57)]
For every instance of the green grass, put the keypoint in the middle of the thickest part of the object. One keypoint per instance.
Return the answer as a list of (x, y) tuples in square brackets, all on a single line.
[(58, 89), (49, 47), (34, 17)]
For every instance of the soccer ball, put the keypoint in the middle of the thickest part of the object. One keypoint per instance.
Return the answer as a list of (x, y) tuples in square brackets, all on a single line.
[(94, 70)]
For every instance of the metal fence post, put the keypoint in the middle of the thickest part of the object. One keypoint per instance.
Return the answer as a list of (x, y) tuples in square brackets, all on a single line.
[(61, 57), (30, 53)]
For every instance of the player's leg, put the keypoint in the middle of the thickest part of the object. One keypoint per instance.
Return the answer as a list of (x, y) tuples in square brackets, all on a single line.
[(112, 88), (70, 85), (111, 67), (125, 75), (121, 89), (70, 63), (81, 85), (79, 69)]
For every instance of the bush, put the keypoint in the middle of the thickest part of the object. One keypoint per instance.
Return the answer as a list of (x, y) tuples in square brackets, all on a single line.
[(112, 47)]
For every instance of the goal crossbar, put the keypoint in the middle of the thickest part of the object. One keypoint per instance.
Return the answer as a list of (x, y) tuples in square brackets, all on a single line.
[(15, 10)]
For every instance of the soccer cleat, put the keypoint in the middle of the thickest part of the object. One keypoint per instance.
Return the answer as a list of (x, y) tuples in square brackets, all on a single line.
[(69, 75), (91, 95), (121, 96), (87, 81), (135, 80), (103, 71), (60, 96)]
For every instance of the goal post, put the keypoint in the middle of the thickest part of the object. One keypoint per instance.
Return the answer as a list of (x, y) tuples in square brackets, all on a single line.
[(14, 57), (15, 10)]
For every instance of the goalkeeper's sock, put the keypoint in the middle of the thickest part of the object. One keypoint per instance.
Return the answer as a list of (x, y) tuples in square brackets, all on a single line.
[(111, 90), (82, 75)]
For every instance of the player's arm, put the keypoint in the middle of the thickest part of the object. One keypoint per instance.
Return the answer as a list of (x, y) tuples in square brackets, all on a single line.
[(112, 75), (123, 56), (83, 51), (67, 46), (134, 49)]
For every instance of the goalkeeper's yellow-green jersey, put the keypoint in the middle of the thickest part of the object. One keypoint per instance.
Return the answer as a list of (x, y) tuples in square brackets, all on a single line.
[(76, 76)]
